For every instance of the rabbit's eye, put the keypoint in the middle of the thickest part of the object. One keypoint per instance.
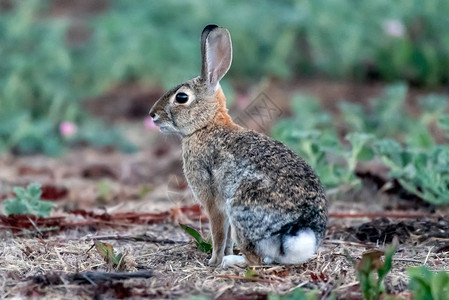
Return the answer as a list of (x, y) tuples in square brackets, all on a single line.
[(182, 98)]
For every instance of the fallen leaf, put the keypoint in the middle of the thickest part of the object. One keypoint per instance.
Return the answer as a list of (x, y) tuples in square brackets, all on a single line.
[(106, 251), (52, 192)]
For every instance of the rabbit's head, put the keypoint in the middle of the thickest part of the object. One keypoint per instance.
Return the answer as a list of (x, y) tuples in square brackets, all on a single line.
[(195, 104)]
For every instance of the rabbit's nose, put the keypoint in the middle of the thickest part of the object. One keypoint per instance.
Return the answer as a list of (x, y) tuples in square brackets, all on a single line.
[(152, 113), (154, 116)]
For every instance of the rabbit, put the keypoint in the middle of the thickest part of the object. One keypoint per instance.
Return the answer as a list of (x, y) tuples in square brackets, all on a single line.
[(255, 191)]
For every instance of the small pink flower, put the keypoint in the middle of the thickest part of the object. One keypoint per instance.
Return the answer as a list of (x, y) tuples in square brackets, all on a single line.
[(149, 124), (393, 28), (67, 129)]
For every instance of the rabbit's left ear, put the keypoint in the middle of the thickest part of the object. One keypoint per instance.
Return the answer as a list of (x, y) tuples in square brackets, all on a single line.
[(216, 54)]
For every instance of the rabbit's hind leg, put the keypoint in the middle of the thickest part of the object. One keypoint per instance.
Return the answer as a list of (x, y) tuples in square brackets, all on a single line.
[(229, 249), (231, 260), (269, 249), (249, 258), (247, 248)]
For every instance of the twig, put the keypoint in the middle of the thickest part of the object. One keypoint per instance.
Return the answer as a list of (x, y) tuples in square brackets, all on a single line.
[(345, 286), (339, 242), (428, 254), (135, 238), (60, 258), (35, 226), (407, 260), (80, 278), (88, 277), (247, 278), (97, 221), (84, 276)]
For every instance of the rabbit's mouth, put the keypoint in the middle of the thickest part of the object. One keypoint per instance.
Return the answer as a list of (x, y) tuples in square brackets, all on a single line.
[(165, 128)]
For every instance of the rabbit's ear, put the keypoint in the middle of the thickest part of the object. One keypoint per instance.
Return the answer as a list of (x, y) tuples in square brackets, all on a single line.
[(216, 54)]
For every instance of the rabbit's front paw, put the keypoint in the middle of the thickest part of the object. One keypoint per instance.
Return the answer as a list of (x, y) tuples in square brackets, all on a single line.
[(231, 260)]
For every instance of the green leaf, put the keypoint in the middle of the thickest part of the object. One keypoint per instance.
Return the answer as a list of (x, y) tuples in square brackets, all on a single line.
[(420, 283), (365, 154), (250, 273), (372, 286), (192, 232), (20, 192), (34, 190), (388, 263), (443, 123), (420, 137), (440, 286), (119, 261), (106, 251), (15, 206), (354, 116), (428, 285), (202, 245), (44, 208), (434, 103), (390, 152), (360, 149), (358, 140), (27, 201)]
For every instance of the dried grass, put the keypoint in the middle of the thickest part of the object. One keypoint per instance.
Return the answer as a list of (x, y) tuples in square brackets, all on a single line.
[(181, 270)]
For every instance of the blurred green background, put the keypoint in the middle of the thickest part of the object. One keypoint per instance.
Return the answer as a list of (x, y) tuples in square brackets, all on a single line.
[(56, 54)]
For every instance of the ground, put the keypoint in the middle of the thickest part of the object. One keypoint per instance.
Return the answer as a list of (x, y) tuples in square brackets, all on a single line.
[(136, 201)]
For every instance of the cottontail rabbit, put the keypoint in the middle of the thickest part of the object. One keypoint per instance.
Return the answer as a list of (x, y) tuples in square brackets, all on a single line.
[(253, 189)]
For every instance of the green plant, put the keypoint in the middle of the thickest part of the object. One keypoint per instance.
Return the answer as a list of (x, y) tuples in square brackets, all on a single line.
[(383, 132), (310, 133), (443, 123), (395, 39), (422, 172), (200, 243), (251, 273), (303, 37), (44, 78), (383, 117), (106, 251), (428, 285), (36, 69), (371, 271), (27, 201), (23, 135), (95, 134)]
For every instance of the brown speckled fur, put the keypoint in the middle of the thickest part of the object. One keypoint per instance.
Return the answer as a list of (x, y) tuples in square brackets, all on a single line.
[(245, 180)]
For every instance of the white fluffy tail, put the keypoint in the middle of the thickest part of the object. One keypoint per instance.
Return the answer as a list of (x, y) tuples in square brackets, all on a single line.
[(298, 248)]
